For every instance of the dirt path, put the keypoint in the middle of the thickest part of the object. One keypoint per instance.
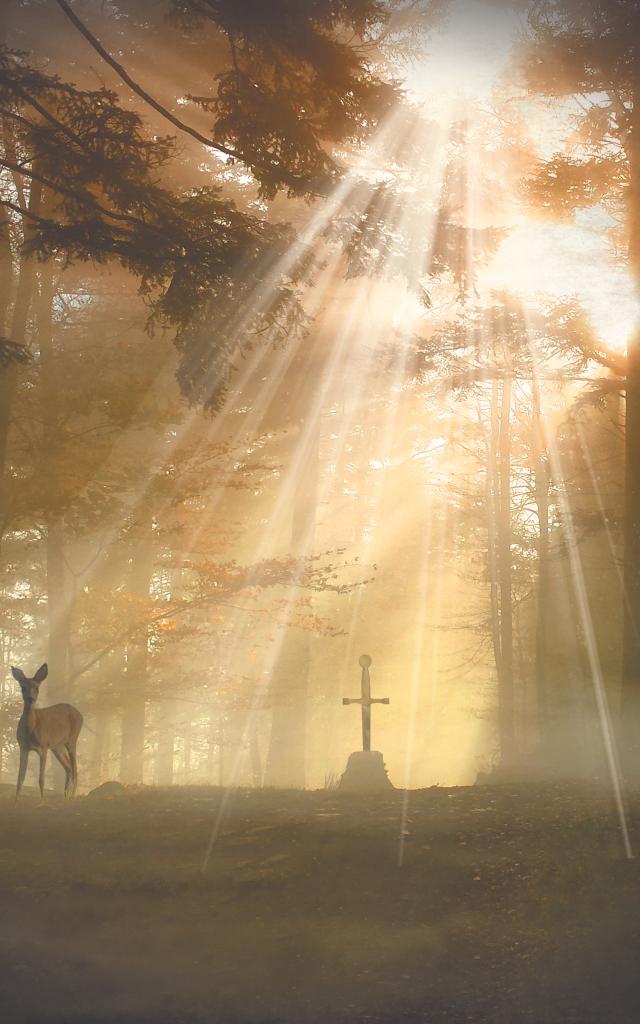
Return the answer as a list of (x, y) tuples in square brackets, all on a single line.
[(512, 905)]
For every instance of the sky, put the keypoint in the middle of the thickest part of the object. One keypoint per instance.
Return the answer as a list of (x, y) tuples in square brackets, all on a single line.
[(468, 54)]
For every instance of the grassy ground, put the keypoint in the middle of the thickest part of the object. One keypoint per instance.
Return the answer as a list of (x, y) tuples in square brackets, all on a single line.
[(514, 904)]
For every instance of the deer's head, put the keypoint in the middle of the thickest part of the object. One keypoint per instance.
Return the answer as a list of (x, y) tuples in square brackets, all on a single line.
[(30, 687)]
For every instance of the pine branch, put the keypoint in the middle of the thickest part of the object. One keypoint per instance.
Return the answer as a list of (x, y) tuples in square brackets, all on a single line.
[(81, 197), (291, 180), (142, 93)]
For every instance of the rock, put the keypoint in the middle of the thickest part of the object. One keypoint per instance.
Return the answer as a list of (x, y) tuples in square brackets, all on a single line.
[(107, 789), (365, 773)]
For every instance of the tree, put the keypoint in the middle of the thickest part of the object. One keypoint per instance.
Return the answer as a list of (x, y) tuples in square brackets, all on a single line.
[(85, 179), (585, 54), (488, 359)]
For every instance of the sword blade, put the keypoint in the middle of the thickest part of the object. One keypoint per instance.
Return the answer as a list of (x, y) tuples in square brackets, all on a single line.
[(366, 726)]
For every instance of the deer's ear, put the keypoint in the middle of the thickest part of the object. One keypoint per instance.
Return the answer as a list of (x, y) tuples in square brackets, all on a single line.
[(18, 674), (41, 674)]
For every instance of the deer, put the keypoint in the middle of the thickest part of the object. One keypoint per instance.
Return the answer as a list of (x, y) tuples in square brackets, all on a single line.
[(54, 729)]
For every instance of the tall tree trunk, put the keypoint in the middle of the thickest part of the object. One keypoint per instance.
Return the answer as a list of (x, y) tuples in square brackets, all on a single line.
[(59, 608), (492, 488), (631, 632), (212, 734), (99, 769), (222, 741), (6, 262), (6, 285), (505, 579), (9, 377), (289, 692), (215, 747), (58, 597), (187, 733), (137, 657), (6, 271), (498, 500), (106, 578), (541, 491), (164, 767), (165, 751), (254, 753)]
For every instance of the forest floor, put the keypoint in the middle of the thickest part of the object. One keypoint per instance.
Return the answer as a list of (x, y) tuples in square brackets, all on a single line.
[(514, 904)]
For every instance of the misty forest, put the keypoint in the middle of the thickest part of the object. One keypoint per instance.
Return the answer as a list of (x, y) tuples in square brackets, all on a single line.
[(319, 511)]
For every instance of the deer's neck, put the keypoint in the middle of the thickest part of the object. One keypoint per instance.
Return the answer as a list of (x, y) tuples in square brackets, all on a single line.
[(29, 717)]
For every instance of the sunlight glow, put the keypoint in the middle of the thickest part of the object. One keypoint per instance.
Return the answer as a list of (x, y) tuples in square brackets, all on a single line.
[(568, 261), (466, 57)]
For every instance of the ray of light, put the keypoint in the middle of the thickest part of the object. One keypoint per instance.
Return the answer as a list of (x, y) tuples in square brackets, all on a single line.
[(420, 229), (353, 346), (189, 433), (463, 199), (276, 363)]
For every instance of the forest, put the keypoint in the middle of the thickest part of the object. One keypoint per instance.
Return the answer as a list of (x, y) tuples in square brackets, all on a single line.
[(320, 385)]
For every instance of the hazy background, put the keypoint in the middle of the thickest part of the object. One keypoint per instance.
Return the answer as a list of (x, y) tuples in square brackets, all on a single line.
[(151, 550)]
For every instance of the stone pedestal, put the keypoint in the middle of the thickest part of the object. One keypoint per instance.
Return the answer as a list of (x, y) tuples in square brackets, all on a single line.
[(365, 773)]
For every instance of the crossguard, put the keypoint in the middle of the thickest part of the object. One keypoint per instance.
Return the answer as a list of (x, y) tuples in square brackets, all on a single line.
[(372, 700)]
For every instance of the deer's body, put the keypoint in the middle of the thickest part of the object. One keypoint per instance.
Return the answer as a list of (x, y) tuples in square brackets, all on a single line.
[(54, 729)]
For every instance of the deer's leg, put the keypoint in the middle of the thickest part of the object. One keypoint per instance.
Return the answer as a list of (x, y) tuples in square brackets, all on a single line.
[(43, 765), (60, 753), (71, 750), (22, 771)]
